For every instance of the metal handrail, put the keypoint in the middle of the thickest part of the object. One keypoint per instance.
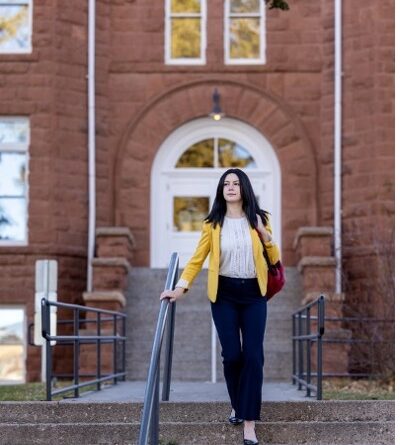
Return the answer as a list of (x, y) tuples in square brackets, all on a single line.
[(299, 336), (76, 340), (149, 425)]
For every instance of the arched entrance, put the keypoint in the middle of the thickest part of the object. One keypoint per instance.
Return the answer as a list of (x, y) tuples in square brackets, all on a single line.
[(185, 174)]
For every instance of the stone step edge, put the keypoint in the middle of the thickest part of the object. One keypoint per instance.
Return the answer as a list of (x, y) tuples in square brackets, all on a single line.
[(208, 423), (104, 404)]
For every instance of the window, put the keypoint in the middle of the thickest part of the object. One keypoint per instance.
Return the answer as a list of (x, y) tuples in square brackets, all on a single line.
[(244, 32), (12, 344), (15, 26), (185, 32), (189, 212), (14, 142), (216, 153)]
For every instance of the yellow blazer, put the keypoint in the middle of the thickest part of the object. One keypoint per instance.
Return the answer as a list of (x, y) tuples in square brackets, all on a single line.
[(209, 243)]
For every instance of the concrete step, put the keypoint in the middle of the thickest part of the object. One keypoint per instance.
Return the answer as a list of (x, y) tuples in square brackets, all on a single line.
[(186, 423), (192, 346), (194, 412), (311, 422), (338, 433)]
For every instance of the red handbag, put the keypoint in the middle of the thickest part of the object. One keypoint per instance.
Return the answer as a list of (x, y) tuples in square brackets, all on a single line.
[(276, 274)]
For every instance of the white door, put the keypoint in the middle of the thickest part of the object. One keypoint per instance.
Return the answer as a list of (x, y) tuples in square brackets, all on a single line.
[(183, 193), (187, 201)]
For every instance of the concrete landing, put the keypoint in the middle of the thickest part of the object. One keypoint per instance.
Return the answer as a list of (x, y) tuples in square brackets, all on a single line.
[(133, 391)]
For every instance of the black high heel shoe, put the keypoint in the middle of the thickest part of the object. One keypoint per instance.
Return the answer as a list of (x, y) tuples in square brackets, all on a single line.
[(235, 420), (249, 442)]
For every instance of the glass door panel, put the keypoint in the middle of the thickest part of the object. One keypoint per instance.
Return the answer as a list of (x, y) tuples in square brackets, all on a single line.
[(189, 212)]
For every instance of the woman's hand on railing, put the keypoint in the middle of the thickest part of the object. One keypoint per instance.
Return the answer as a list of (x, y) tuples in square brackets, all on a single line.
[(173, 295)]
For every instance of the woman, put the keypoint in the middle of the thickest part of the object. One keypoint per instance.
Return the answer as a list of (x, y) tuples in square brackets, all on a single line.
[(237, 284)]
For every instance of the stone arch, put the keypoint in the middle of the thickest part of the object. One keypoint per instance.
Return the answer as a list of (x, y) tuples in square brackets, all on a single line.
[(267, 112)]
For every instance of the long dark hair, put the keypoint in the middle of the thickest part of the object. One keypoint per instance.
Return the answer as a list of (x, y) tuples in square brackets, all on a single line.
[(249, 205)]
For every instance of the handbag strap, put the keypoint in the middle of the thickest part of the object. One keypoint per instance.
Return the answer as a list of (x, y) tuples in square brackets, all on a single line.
[(264, 251)]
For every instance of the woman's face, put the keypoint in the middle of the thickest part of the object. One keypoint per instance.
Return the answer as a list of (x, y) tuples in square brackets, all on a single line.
[(232, 188)]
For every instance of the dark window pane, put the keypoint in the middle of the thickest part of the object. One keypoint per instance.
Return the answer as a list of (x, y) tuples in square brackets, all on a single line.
[(244, 39), (11, 345), (14, 27), (243, 6), (12, 174), (12, 219), (231, 154), (199, 155), (189, 213), (188, 6), (185, 38), (13, 131)]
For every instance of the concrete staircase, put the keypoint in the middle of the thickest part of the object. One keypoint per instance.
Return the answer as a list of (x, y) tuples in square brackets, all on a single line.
[(192, 346), (290, 423)]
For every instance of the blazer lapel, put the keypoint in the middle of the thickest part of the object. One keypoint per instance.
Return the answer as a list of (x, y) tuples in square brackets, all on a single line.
[(257, 248), (215, 239)]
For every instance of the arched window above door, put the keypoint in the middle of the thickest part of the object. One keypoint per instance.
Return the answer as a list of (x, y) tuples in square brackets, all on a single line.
[(185, 175), (216, 153)]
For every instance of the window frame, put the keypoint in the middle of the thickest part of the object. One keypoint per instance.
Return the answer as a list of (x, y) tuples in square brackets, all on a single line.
[(29, 3), (168, 59), (216, 162), (263, 44), (15, 147)]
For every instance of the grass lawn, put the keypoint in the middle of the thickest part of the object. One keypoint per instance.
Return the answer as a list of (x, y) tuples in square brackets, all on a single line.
[(34, 391), (333, 389), (27, 391), (357, 389)]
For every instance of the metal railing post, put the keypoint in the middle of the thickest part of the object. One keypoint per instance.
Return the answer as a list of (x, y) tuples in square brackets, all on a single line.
[(294, 363), (115, 348), (154, 429), (308, 366), (76, 352), (321, 328), (98, 351), (45, 334), (300, 345), (124, 348), (168, 352)]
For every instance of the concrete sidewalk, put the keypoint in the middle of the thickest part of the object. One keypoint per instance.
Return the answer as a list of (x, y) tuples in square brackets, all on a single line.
[(133, 391)]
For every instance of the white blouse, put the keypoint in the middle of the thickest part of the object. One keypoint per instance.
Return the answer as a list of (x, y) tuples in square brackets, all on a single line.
[(236, 251), (236, 255)]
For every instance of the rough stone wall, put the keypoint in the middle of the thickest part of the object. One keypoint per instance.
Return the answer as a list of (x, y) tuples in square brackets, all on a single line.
[(368, 142), (368, 174), (49, 86)]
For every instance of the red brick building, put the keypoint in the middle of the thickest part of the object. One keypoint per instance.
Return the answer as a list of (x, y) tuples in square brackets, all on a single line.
[(153, 94)]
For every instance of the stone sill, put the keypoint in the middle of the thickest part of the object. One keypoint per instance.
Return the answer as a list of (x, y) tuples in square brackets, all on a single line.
[(316, 261), (116, 231), (111, 262), (311, 231), (105, 296)]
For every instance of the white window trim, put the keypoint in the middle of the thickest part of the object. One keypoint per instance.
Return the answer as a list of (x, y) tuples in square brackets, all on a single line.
[(27, 50), (203, 37), (263, 46), (19, 148)]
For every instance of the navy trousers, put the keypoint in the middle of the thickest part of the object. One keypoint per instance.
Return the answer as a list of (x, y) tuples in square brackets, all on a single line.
[(240, 316)]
